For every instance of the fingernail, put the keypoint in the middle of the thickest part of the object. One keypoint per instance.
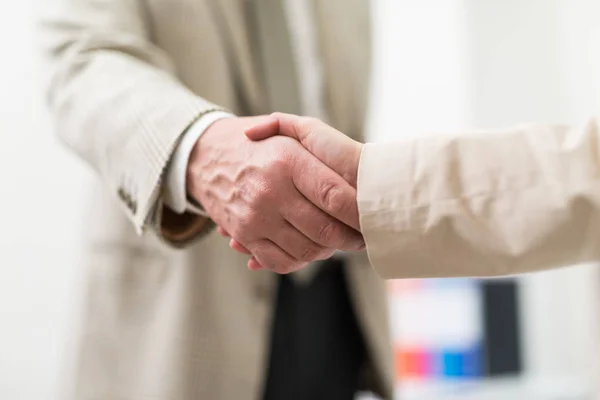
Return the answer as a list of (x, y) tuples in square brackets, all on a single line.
[(253, 265)]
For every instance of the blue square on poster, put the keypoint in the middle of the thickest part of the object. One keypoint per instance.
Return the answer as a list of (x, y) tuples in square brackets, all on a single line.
[(462, 363), (451, 362), (473, 362)]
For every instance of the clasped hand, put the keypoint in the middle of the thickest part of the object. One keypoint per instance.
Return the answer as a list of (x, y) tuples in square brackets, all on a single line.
[(282, 187)]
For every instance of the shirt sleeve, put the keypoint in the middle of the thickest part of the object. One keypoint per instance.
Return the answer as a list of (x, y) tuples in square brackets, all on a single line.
[(512, 201), (174, 190)]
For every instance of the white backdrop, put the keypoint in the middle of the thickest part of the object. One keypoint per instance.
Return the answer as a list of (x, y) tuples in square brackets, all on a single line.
[(442, 65), (41, 196)]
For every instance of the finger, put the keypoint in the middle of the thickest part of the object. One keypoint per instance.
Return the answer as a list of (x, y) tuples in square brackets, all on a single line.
[(237, 246), (267, 127), (222, 232), (279, 124), (253, 265), (299, 246), (326, 190), (273, 258), (336, 150), (321, 228)]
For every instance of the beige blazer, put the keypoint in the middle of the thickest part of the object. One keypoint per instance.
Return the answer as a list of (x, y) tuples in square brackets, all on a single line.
[(488, 203), (127, 77)]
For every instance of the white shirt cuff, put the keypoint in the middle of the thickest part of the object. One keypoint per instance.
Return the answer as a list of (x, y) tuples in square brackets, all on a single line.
[(174, 189)]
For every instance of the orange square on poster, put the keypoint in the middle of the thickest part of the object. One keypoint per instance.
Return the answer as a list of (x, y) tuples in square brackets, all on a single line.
[(414, 363)]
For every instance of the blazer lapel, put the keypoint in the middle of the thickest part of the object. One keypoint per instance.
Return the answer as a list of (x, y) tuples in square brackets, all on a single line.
[(237, 23), (278, 63), (344, 32), (344, 28)]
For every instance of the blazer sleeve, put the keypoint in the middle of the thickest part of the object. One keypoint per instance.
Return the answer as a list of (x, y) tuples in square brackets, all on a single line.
[(482, 204), (118, 104)]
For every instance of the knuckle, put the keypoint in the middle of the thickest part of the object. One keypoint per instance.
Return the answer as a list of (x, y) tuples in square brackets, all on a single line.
[(279, 159), (325, 254), (293, 267), (257, 198), (310, 253), (247, 224), (327, 233), (279, 163), (260, 250), (282, 268), (331, 197), (308, 125), (277, 115), (238, 231), (253, 199), (308, 122), (238, 228)]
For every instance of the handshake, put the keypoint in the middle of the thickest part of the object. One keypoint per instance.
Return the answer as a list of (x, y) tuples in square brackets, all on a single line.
[(283, 187)]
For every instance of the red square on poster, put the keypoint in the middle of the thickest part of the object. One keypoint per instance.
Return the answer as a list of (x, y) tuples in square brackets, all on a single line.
[(414, 363)]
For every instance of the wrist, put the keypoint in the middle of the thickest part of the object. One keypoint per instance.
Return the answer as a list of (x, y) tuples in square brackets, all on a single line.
[(200, 155), (174, 187), (354, 162)]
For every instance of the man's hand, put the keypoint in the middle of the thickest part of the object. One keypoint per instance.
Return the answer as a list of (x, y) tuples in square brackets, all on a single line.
[(332, 147), (278, 201)]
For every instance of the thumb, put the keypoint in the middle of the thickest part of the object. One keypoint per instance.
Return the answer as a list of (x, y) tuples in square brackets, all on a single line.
[(267, 127), (278, 123), (330, 146)]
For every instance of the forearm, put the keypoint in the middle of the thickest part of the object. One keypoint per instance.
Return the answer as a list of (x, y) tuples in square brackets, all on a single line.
[(499, 203), (116, 101)]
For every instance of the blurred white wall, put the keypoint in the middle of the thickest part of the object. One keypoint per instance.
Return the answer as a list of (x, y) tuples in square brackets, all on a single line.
[(442, 65), (41, 196)]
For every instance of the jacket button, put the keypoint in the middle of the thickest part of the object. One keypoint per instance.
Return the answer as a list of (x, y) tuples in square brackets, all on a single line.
[(122, 194)]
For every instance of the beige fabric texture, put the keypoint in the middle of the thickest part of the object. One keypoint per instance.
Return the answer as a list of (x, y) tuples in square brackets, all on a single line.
[(484, 203)]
